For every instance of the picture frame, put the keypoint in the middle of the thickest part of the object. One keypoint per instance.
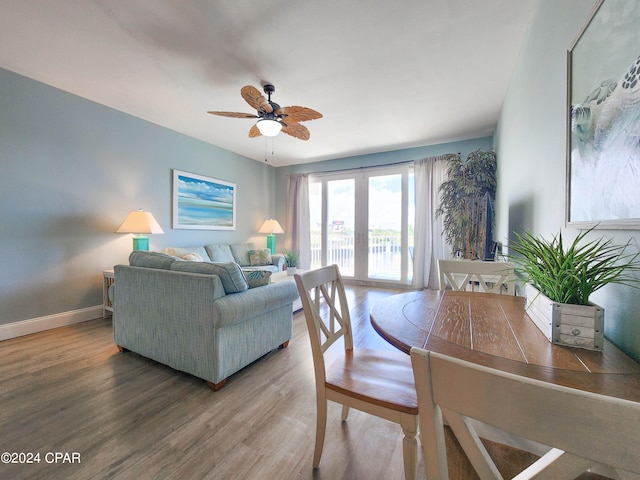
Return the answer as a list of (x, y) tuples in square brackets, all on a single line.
[(603, 119), (202, 203)]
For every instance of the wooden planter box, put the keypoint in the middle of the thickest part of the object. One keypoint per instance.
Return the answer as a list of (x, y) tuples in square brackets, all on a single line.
[(579, 326)]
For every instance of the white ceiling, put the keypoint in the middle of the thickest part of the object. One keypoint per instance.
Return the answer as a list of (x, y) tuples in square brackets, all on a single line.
[(385, 74)]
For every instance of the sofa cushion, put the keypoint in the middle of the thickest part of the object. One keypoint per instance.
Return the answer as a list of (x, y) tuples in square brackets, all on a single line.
[(257, 278), (260, 257), (219, 253), (230, 274), (182, 251), (268, 268), (240, 253), (144, 258)]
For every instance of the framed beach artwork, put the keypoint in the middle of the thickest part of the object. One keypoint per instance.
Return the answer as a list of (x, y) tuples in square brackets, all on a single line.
[(603, 119), (203, 203)]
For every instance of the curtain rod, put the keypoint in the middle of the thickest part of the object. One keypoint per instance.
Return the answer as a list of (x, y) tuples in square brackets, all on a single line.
[(404, 162), (361, 167)]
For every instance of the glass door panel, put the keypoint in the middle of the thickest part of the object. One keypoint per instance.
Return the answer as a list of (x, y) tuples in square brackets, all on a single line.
[(411, 222), (385, 227), (340, 225)]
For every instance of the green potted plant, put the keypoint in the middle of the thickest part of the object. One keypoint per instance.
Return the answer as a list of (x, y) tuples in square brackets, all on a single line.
[(291, 258), (560, 281)]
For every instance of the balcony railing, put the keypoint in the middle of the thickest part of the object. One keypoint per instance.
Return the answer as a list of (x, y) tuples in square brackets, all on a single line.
[(384, 253)]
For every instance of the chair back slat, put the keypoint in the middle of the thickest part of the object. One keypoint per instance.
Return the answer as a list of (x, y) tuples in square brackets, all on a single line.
[(477, 275), (323, 297)]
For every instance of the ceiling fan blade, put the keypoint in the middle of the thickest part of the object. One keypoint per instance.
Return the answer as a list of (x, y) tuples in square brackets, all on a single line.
[(254, 132), (235, 114), (299, 114), (296, 130), (254, 98)]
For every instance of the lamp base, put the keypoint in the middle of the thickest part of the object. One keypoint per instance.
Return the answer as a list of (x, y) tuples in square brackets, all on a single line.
[(271, 243), (141, 243)]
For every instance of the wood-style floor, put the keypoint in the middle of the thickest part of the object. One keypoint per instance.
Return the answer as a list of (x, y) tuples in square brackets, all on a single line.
[(70, 391)]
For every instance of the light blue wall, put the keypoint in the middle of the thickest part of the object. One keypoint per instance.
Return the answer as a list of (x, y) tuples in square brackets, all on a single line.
[(530, 144), (373, 160), (71, 171)]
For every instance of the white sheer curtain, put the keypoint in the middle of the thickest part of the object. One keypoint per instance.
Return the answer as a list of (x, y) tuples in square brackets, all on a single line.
[(297, 229), (429, 244)]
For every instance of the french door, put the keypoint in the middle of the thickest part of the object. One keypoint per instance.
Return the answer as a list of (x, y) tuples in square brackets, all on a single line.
[(363, 222)]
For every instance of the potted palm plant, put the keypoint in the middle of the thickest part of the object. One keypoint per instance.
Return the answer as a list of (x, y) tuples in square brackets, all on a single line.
[(559, 282), (465, 203), (291, 258)]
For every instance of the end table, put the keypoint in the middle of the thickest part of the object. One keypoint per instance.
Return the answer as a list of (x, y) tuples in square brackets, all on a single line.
[(108, 279)]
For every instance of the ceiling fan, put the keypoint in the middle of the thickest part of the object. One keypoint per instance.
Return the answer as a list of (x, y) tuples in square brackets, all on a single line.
[(272, 118)]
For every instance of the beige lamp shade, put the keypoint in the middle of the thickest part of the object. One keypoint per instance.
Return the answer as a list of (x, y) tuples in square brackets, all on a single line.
[(139, 222), (271, 226)]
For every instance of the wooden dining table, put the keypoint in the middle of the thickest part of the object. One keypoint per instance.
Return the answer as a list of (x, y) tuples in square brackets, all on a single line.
[(494, 330)]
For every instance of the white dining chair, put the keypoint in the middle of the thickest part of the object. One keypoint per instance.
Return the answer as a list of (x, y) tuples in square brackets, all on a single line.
[(376, 382), (582, 430), (477, 275)]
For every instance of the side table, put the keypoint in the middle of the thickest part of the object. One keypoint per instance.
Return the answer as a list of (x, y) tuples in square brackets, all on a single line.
[(108, 279)]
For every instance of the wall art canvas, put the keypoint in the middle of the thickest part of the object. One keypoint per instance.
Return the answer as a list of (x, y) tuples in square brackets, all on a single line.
[(203, 203), (603, 131)]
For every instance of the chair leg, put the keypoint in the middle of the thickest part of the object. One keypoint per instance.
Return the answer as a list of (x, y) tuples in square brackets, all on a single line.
[(321, 426), (409, 424), (433, 442), (345, 412)]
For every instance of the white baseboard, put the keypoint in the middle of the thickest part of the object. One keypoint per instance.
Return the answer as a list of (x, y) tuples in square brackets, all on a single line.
[(40, 324)]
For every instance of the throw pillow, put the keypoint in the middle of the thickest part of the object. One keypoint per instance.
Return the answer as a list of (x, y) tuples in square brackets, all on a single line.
[(259, 258), (257, 278), (230, 274), (180, 251), (192, 257)]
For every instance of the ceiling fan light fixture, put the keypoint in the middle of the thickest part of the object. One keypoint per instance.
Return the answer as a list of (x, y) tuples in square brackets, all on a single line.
[(268, 127)]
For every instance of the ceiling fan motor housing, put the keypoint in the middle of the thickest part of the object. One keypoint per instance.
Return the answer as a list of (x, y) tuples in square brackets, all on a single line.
[(269, 89), (272, 115)]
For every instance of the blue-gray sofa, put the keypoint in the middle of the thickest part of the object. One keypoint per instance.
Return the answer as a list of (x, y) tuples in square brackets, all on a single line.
[(198, 317)]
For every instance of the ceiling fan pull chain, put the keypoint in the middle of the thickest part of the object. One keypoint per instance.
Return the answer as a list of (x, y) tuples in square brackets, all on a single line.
[(266, 147)]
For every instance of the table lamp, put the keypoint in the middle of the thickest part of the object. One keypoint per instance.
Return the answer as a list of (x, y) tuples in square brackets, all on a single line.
[(140, 223), (271, 227)]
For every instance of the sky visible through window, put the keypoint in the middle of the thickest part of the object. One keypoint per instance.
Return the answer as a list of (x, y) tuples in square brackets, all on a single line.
[(385, 195)]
